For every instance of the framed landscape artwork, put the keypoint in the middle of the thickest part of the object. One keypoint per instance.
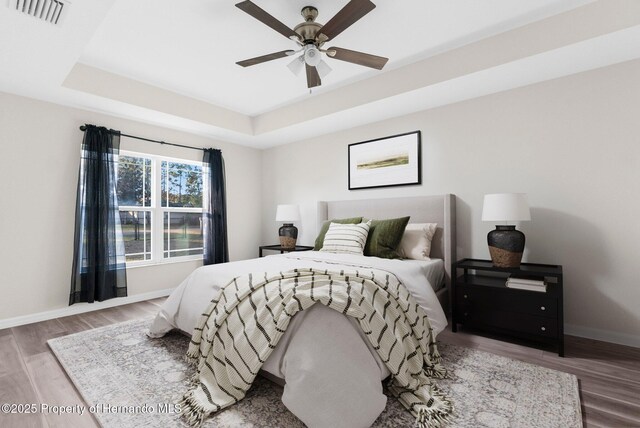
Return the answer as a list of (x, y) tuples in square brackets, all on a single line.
[(385, 162)]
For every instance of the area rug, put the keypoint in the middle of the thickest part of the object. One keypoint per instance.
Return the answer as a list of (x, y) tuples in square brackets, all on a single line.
[(129, 380)]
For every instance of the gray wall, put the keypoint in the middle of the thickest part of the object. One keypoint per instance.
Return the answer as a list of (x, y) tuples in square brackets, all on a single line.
[(572, 144), (39, 157)]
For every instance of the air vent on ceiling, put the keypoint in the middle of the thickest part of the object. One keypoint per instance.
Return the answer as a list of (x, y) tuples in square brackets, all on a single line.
[(51, 11)]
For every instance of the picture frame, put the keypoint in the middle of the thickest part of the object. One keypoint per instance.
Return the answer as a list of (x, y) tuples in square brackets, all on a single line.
[(386, 162)]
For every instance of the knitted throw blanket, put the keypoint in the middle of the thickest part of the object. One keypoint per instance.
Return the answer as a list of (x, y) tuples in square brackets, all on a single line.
[(241, 327)]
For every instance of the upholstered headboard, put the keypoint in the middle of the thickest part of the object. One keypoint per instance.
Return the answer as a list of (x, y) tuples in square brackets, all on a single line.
[(439, 209)]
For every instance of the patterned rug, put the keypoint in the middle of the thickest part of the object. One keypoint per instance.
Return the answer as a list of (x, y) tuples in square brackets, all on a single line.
[(130, 380)]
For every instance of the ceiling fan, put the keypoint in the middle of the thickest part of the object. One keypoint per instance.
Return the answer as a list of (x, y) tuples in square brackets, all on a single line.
[(311, 36)]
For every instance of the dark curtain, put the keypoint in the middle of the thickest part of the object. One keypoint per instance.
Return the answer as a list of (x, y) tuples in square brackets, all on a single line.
[(99, 257), (216, 249)]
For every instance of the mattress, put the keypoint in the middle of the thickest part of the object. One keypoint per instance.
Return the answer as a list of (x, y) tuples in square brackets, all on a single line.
[(433, 270)]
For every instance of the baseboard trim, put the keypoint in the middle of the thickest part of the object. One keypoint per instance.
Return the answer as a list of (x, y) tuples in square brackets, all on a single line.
[(603, 335), (80, 308)]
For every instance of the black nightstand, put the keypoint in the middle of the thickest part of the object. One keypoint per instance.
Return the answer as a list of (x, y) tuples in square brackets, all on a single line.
[(284, 250), (482, 301)]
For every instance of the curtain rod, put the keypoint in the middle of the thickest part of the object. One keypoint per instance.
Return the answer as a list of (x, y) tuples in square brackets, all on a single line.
[(83, 128)]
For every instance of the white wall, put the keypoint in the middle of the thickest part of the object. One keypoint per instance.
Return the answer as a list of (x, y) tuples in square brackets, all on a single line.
[(572, 144), (39, 158)]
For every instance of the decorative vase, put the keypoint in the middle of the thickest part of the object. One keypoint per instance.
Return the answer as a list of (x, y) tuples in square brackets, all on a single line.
[(506, 245), (288, 236)]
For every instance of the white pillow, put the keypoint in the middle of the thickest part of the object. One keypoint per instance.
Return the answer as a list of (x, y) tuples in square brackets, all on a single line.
[(346, 238), (416, 241)]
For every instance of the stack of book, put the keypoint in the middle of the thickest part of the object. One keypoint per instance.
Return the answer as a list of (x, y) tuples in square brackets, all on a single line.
[(531, 284)]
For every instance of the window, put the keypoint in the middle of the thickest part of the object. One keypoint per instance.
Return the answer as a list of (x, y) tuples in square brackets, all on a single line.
[(160, 203), (182, 206), (134, 199)]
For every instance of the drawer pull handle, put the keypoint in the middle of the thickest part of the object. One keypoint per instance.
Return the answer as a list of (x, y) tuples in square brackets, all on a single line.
[(542, 308), (543, 329), (465, 296)]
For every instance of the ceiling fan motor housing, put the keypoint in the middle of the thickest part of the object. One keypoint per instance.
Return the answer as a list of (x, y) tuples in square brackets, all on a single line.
[(308, 29)]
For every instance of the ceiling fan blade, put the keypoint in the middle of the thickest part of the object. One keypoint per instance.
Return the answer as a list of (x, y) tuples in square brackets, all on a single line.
[(353, 11), (262, 16), (356, 57), (313, 78), (264, 58)]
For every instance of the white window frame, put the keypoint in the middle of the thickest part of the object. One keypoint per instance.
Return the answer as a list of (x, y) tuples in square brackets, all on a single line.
[(157, 211)]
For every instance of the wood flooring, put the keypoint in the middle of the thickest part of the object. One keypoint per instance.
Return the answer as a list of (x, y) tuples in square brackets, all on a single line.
[(608, 374)]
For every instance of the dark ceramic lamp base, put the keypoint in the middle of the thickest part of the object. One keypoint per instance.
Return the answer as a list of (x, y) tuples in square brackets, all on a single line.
[(288, 236), (506, 245)]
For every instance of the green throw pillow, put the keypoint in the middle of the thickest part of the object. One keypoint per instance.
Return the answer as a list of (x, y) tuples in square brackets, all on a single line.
[(384, 237), (325, 228)]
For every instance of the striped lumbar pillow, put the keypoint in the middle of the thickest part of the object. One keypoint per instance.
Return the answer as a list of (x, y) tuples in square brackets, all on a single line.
[(346, 238), (325, 228)]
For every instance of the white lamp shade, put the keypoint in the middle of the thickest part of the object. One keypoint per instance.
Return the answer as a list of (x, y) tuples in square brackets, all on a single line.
[(296, 65), (288, 213), (506, 207), (323, 69)]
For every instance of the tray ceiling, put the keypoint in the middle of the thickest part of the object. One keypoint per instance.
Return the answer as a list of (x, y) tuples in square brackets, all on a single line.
[(173, 63)]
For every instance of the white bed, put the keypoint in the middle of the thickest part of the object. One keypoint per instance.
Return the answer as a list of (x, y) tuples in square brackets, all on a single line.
[(337, 371)]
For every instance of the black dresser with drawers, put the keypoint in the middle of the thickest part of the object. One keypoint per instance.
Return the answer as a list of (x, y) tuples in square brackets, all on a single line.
[(482, 301)]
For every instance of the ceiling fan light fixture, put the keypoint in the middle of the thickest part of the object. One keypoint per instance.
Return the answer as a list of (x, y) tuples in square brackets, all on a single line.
[(312, 55), (323, 69), (296, 65)]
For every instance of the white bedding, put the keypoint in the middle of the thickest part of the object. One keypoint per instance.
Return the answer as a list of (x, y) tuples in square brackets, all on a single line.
[(433, 270), (337, 371)]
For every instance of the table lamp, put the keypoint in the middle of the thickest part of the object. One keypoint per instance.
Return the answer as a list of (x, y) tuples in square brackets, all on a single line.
[(288, 233), (506, 244)]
